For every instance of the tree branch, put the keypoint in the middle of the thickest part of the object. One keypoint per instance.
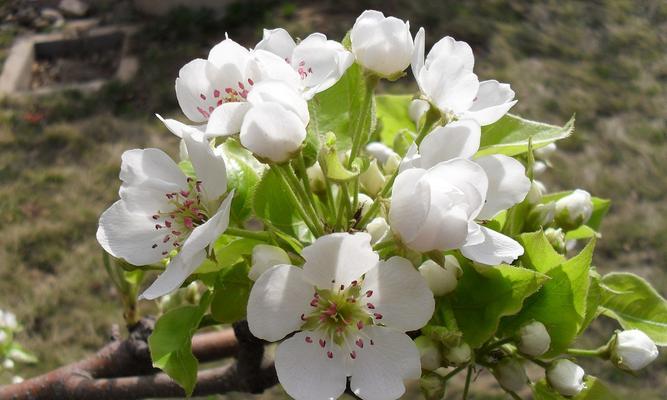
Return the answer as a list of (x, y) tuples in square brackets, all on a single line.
[(123, 369)]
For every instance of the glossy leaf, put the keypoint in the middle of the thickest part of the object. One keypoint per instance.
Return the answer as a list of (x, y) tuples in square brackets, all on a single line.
[(243, 174), (595, 390), (230, 297), (393, 116)]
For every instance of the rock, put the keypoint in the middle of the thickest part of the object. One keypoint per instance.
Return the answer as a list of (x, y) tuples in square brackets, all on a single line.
[(57, 20), (76, 8)]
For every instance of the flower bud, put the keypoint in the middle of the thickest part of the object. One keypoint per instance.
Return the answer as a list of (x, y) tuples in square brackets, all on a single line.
[(510, 374), (432, 386), (460, 354), (8, 364), (264, 257), (441, 280), (272, 132), (556, 238), (545, 153), (382, 44), (534, 340), (429, 353), (372, 180), (541, 215), (539, 167), (566, 377), (574, 209), (316, 178), (632, 350), (380, 151), (365, 203), (379, 230), (3, 337), (417, 109), (8, 320), (537, 190), (16, 380), (392, 164)]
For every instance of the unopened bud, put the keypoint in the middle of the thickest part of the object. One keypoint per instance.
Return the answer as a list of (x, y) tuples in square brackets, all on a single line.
[(417, 109), (539, 168), (380, 151), (632, 350), (441, 279), (510, 374), (566, 377), (8, 364), (545, 153), (264, 257), (534, 340), (16, 380), (556, 238), (460, 354), (429, 353), (316, 178), (364, 202), (537, 190), (379, 230), (372, 180), (574, 209), (541, 215), (3, 337)]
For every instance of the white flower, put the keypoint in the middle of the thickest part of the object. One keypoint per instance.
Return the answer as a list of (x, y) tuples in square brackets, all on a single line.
[(379, 230), (380, 151), (441, 279), (8, 364), (445, 77), (382, 44), (417, 109), (460, 354), (161, 210), (574, 209), (319, 62), (566, 377), (534, 340), (429, 353), (633, 350), (350, 312), (265, 256), (440, 193), (510, 374), (8, 320)]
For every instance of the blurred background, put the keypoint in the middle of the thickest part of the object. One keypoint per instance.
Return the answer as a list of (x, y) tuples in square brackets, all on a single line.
[(67, 112)]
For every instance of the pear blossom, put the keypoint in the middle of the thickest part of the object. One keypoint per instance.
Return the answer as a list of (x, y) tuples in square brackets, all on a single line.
[(382, 44), (417, 109), (161, 210), (445, 77), (566, 377), (460, 354), (441, 279), (429, 353), (319, 62), (265, 256), (8, 320), (574, 209), (534, 340), (372, 180), (440, 192), (349, 311), (379, 230), (510, 374), (633, 350)]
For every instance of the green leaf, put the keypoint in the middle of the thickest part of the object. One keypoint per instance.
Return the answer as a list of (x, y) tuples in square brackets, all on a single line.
[(393, 116), (243, 176), (482, 299), (538, 252), (170, 343), (338, 108), (593, 300), (18, 353), (272, 203), (561, 302), (635, 304), (228, 253), (333, 169), (510, 134), (595, 390), (230, 298)]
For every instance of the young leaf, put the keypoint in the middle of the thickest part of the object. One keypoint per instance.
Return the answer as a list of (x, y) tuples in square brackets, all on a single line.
[(393, 116), (170, 343), (227, 254), (272, 203), (595, 390), (635, 304), (243, 176), (510, 135), (230, 297), (538, 252), (481, 300)]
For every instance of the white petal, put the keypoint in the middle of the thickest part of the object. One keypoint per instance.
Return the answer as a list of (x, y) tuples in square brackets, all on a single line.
[(229, 52), (192, 253), (456, 139), (448, 46), (400, 294), (465, 175), (493, 101), (379, 371), (130, 236), (279, 42), (226, 119), (191, 84), (418, 54), (151, 168), (445, 227), (281, 93), (449, 84), (272, 67), (410, 203), (508, 183), (178, 128), (271, 131), (496, 249), (338, 259), (320, 62), (209, 167), (264, 257), (277, 300), (306, 372), (383, 45)]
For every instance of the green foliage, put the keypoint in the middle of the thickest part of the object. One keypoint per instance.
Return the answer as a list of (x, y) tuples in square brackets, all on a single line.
[(510, 135), (595, 390), (393, 117), (272, 203), (230, 296), (635, 304), (482, 298), (242, 176), (561, 302), (227, 253), (170, 343)]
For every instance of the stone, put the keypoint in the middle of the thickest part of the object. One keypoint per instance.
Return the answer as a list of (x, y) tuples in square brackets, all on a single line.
[(76, 8)]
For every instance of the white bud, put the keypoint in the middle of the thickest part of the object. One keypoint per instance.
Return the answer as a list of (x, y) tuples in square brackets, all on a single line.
[(460, 354), (316, 178), (574, 209), (539, 168), (441, 280), (380, 151), (541, 215), (372, 180), (8, 364), (537, 190), (264, 257), (379, 230), (544, 153), (3, 337), (382, 44), (417, 109), (633, 350), (566, 377), (534, 340), (183, 151), (8, 320), (429, 353), (510, 374), (365, 203), (16, 380), (392, 164)]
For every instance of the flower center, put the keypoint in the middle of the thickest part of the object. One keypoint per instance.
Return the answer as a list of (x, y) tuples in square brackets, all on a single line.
[(230, 94), (187, 213), (303, 71)]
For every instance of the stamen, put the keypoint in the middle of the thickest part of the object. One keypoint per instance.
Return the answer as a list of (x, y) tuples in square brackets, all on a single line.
[(167, 224), (187, 221), (323, 343), (156, 216), (369, 293), (202, 96), (342, 287), (372, 342), (303, 317), (158, 226), (314, 302), (166, 239), (216, 93), (377, 315), (360, 325), (329, 354), (153, 246), (360, 343), (164, 253), (309, 339), (353, 354), (370, 306)]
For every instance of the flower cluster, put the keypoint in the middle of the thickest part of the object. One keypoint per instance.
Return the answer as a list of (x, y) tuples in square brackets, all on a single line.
[(11, 352), (304, 203)]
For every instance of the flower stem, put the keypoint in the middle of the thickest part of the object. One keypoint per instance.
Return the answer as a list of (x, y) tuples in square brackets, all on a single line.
[(495, 344), (298, 203), (599, 352), (308, 200), (358, 134), (466, 388), (244, 233), (539, 362), (454, 372), (384, 245)]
